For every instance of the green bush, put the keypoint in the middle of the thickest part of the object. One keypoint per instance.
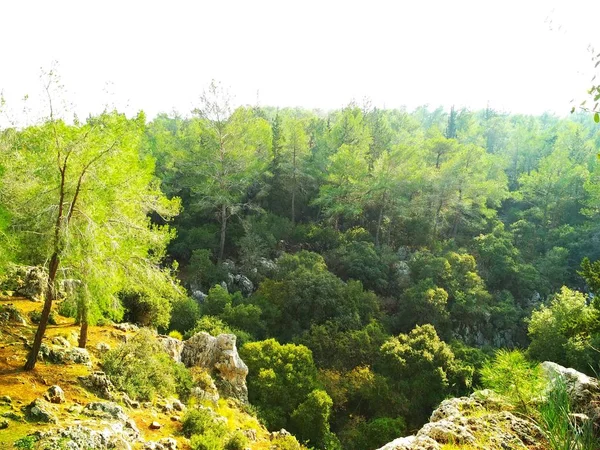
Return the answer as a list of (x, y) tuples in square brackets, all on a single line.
[(36, 316), (561, 428), (511, 375), (25, 443), (207, 441), (201, 421), (236, 441), (215, 326), (185, 313), (142, 369)]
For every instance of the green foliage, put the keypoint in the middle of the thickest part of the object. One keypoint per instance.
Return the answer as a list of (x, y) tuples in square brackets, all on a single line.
[(360, 434), (142, 368), (210, 440), (236, 441), (35, 316), (280, 378), (511, 375), (564, 430), (591, 274), (26, 443), (185, 312), (563, 332), (197, 421), (143, 307), (215, 326), (424, 369), (203, 271), (310, 421)]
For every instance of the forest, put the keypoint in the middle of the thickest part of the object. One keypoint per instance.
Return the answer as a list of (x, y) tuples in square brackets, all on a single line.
[(371, 262)]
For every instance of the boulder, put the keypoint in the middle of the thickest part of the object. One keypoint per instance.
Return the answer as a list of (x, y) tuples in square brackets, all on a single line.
[(80, 437), (64, 353), (583, 390), (100, 384), (106, 410), (40, 410), (155, 425), (126, 327), (219, 355), (173, 346), (9, 313), (26, 281), (55, 395)]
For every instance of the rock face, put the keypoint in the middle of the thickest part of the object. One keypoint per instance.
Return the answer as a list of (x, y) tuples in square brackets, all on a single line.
[(61, 352), (478, 421), (218, 355), (26, 281), (99, 383), (41, 411), (583, 390), (79, 437), (221, 356), (55, 395)]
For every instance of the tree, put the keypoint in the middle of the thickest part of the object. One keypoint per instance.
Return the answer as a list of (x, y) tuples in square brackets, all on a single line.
[(79, 196), (233, 151)]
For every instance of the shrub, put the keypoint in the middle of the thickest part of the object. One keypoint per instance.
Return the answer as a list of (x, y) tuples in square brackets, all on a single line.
[(201, 421), (511, 375), (236, 441), (176, 334), (142, 369), (36, 316), (208, 441), (563, 430), (184, 314)]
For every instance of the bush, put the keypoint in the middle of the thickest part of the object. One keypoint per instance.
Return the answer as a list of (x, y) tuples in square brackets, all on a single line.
[(36, 316), (145, 308), (215, 326), (185, 313), (208, 441), (237, 441), (142, 369), (511, 375), (176, 334), (561, 428)]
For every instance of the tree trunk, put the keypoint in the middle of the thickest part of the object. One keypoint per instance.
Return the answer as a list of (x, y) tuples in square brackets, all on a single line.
[(223, 232), (83, 331), (294, 206), (379, 219), (39, 335)]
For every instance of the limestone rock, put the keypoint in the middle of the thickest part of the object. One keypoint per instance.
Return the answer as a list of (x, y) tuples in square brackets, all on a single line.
[(173, 346), (583, 390), (126, 327), (9, 313), (40, 410), (79, 437), (64, 354), (105, 410), (102, 347), (26, 281), (221, 356), (163, 444), (155, 426), (55, 395), (100, 384), (412, 443)]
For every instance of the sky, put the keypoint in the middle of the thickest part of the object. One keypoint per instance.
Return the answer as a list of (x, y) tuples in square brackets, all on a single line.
[(523, 56)]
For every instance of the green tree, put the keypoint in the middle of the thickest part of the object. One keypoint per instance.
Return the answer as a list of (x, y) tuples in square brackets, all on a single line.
[(79, 196), (234, 149)]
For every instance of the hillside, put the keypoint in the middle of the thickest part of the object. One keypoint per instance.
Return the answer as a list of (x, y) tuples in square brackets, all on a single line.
[(121, 423)]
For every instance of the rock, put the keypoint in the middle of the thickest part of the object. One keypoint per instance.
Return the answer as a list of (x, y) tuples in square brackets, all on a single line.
[(5, 399), (130, 403), (198, 295), (9, 313), (13, 416), (177, 405), (219, 355), (126, 327), (26, 281), (105, 410), (100, 384), (3, 424), (55, 395), (279, 434), (79, 437), (155, 426), (102, 347), (250, 433), (468, 421), (173, 346), (40, 410), (168, 443), (61, 341), (584, 391), (61, 354)]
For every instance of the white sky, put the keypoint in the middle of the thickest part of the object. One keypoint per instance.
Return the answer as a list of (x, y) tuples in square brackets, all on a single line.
[(520, 56)]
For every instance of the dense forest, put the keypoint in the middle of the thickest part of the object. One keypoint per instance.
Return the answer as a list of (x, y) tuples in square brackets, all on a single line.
[(369, 261)]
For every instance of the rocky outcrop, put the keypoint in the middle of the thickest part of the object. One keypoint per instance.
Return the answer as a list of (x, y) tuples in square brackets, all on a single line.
[(40, 410), (584, 390), (55, 395), (9, 313), (218, 355), (478, 421), (115, 436), (61, 352), (26, 281), (100, 384)]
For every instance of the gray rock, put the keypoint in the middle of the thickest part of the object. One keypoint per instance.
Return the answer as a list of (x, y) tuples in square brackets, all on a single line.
[(219, 355), (9, 313), (26, 281), (173, 346), (79, 437), (60, 354), (40, 410), (105, 410), (102, 347), (126, 327), (100, 384), (55, 395), (155, 425), (177, 405)]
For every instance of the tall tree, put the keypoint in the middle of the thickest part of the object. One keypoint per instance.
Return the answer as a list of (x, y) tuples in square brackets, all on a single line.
[(234, 151)]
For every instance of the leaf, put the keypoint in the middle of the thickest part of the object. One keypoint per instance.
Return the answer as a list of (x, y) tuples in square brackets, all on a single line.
[(596, 117)]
